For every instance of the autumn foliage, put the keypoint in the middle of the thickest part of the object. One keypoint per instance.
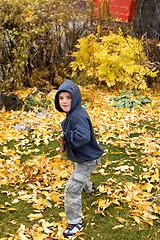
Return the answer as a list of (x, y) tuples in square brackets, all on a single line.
[(130, 181), (115, 60), (36, 40)]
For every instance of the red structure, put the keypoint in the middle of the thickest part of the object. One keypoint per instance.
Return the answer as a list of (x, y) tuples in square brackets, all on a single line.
[(120, 10), (100, 9)]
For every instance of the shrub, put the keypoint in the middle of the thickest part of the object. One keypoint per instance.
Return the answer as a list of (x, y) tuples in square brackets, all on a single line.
[(152, 49), (114, 60), (37, 39)]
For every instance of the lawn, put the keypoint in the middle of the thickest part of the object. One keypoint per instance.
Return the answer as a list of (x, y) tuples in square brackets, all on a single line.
[(126, 203)]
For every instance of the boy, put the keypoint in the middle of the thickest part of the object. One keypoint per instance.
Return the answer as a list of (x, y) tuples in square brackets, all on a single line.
[(81, 148)]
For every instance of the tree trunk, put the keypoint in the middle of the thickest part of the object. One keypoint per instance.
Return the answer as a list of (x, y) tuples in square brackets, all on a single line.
[(147, 19)]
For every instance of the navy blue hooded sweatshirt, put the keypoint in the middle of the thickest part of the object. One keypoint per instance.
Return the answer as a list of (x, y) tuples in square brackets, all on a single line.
[(81, 144)]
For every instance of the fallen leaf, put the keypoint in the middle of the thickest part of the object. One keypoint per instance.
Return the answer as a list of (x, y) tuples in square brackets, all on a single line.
[(121, 220), (117, 226), (33, 217)]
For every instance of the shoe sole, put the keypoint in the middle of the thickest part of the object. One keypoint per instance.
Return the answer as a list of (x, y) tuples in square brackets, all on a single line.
[(74, 234)]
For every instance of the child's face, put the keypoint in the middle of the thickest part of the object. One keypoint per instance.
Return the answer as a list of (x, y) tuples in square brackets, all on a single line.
[(65, 100)]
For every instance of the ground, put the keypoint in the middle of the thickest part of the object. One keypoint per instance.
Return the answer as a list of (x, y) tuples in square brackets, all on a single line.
[(33, 175)]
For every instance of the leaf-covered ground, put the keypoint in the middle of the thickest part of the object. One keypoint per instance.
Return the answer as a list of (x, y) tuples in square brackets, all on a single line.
[(33, 176)]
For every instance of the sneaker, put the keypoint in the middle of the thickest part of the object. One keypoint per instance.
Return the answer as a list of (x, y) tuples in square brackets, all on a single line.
[(72, 229), (93, 189)]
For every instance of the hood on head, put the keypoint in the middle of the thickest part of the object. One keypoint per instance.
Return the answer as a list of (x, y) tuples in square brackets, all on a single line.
[(73, 89)]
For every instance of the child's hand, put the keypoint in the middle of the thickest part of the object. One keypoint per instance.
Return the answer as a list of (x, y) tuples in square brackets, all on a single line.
[(60, 138)]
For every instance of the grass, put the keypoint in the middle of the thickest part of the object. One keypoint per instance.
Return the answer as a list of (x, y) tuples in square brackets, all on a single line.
[(10, 220), (97, 225), (101, 225)]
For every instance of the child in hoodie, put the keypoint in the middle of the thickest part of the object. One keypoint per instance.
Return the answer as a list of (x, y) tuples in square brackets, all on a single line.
[(81, 148)]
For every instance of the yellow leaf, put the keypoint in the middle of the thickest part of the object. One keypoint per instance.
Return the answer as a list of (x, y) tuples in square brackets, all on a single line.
[(33, 217), (5, 148), (150, 222), (47, 230), (55, 197), (40, 236), (149, 216), (156, 209), (21, 232), (157, 135), (101, 189), (121, 220), (18, 162), (146, 176), (118, 226), (124, 168), (80, 233), (156, 153), (32, 186), (47, 203), (102, 203), (116, 202), (23, 237), (63, 215), (155, 177), (137, 220), (64, 174), (11, 209), (148, 187)]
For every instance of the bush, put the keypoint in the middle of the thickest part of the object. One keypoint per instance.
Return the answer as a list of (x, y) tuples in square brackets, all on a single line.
[(37, 39), (152, 49), (114, 60)]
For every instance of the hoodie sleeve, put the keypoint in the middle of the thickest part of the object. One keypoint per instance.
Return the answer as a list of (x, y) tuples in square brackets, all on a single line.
[(81, 133)]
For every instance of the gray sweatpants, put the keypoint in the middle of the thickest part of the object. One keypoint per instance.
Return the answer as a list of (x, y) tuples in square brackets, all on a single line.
[(79, 179)]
